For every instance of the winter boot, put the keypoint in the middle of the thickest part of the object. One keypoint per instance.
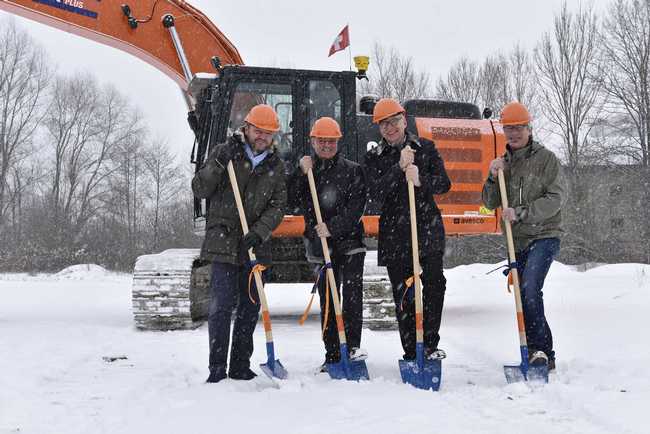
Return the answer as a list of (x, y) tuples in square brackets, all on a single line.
[(538, 358), (358, 354), (437, 354), (216, 375), (242, 374)]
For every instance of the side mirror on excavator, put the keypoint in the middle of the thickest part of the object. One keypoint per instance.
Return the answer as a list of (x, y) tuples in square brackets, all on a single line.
[(487, 113), (367, 104)]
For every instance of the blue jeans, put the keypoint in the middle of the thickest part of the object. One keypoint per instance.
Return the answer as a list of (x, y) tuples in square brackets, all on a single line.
[(229, 286), (533, 265)]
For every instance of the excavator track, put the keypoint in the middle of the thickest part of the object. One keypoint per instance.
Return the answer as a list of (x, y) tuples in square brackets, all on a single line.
[(170, 290)]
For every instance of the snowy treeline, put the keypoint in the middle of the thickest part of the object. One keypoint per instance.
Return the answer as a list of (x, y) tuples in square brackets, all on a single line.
[(81, 177)]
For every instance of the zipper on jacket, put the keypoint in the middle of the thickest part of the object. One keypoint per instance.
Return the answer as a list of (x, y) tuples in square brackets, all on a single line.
[(521, 188)]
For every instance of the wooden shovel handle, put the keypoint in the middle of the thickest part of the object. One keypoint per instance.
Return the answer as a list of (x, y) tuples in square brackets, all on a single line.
[(328, 260), (244, 226), (512, 258), (419, 330)]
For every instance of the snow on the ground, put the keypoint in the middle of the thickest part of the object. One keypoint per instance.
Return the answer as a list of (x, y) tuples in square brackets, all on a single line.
[(55, 332)]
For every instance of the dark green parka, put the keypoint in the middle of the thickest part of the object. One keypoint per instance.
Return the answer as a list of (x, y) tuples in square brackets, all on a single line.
[(536, 190), (264, 195)]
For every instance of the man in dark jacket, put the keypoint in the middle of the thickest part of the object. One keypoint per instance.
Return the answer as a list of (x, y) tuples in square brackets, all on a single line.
[(536, 192), (401, 156), (260, 176), (342, 196)]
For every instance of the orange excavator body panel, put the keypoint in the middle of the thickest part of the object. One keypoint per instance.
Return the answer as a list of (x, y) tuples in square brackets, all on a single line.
[(104, 22)]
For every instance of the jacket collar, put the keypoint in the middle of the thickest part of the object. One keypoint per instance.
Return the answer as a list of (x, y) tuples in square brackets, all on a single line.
[(322, 165), (409, 139), (531, 148), (239, 139)]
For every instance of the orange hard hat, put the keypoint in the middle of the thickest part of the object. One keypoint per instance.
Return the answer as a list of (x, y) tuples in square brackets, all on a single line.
[(515, 113), (263, 117), (326, 128), (385, 108)]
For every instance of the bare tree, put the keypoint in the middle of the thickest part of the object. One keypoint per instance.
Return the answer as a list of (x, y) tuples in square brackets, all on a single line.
[(501, 78), (567, 62), (495, 80), (72, 127), (523, 78), (23, 80), (393, 75), (462, 84), (166, 182), (87, 126), (626, 54)]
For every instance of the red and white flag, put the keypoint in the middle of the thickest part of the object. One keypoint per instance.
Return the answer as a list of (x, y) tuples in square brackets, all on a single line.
[(341, 42)]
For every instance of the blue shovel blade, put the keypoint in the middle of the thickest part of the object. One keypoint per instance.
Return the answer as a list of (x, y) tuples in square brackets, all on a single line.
[(274, 369), (517, 373), (427, 377), (348, 370)]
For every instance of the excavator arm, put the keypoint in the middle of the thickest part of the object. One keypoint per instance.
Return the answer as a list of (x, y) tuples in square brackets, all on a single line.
[(171, 35)]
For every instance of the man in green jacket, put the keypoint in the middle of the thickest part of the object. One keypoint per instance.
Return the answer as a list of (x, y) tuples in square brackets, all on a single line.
[(260, 177), (536, 193)]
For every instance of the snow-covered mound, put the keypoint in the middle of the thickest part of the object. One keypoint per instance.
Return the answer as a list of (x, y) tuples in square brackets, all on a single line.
[(84, 272)]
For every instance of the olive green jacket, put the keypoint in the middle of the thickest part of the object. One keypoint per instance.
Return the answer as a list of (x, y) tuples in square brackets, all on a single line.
[(264, 195), (536, 190)]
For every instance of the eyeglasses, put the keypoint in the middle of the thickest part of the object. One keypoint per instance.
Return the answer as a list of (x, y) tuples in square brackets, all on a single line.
[(393, 121), (514, 128)]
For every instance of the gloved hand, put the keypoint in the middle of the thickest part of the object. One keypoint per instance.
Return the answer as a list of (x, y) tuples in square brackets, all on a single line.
[(250, 241), (226, 153)]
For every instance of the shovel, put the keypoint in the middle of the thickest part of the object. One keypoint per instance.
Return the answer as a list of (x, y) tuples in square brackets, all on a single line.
[(273, 367), (523, 371), (421, 373), (345, 368)]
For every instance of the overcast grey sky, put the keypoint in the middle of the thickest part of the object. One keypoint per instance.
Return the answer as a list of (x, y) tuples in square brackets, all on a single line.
[(298, 33)]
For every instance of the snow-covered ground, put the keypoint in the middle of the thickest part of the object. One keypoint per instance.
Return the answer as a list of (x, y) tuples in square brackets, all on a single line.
[(55, 331)]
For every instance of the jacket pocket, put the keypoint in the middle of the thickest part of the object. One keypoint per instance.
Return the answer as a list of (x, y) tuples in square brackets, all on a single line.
[(527, 230), (221, 239)]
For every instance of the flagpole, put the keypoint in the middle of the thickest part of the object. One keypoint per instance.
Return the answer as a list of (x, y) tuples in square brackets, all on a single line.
[(349, 45)]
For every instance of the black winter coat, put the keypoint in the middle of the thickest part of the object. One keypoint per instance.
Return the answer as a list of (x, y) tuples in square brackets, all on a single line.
[(341, 188), (264, 195), (389, 193)]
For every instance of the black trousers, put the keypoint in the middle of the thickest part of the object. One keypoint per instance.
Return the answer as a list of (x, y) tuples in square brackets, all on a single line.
[(348, 273), (433, 297)]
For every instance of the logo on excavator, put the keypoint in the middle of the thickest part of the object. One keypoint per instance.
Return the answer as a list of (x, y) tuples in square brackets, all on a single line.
[(76, 6)]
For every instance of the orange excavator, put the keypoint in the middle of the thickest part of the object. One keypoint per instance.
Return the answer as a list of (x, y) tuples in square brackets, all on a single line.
[(169, 289)]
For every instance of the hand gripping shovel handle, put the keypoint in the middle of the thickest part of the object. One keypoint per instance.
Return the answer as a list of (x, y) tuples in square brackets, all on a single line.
[(266, 318), (326, 255), (515, 275)]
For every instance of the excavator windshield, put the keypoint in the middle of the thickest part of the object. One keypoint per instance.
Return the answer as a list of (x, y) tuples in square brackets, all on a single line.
[(279, 96)]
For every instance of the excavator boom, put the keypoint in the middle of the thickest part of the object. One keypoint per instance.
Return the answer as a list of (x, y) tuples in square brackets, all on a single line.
[(137, 28)]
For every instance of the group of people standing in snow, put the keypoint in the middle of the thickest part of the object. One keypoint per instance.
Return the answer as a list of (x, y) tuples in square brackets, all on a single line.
[(534, 184)]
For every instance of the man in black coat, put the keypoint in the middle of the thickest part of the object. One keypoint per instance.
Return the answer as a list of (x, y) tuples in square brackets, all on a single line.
[(341, 192), (401, 156), (261, 181)]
